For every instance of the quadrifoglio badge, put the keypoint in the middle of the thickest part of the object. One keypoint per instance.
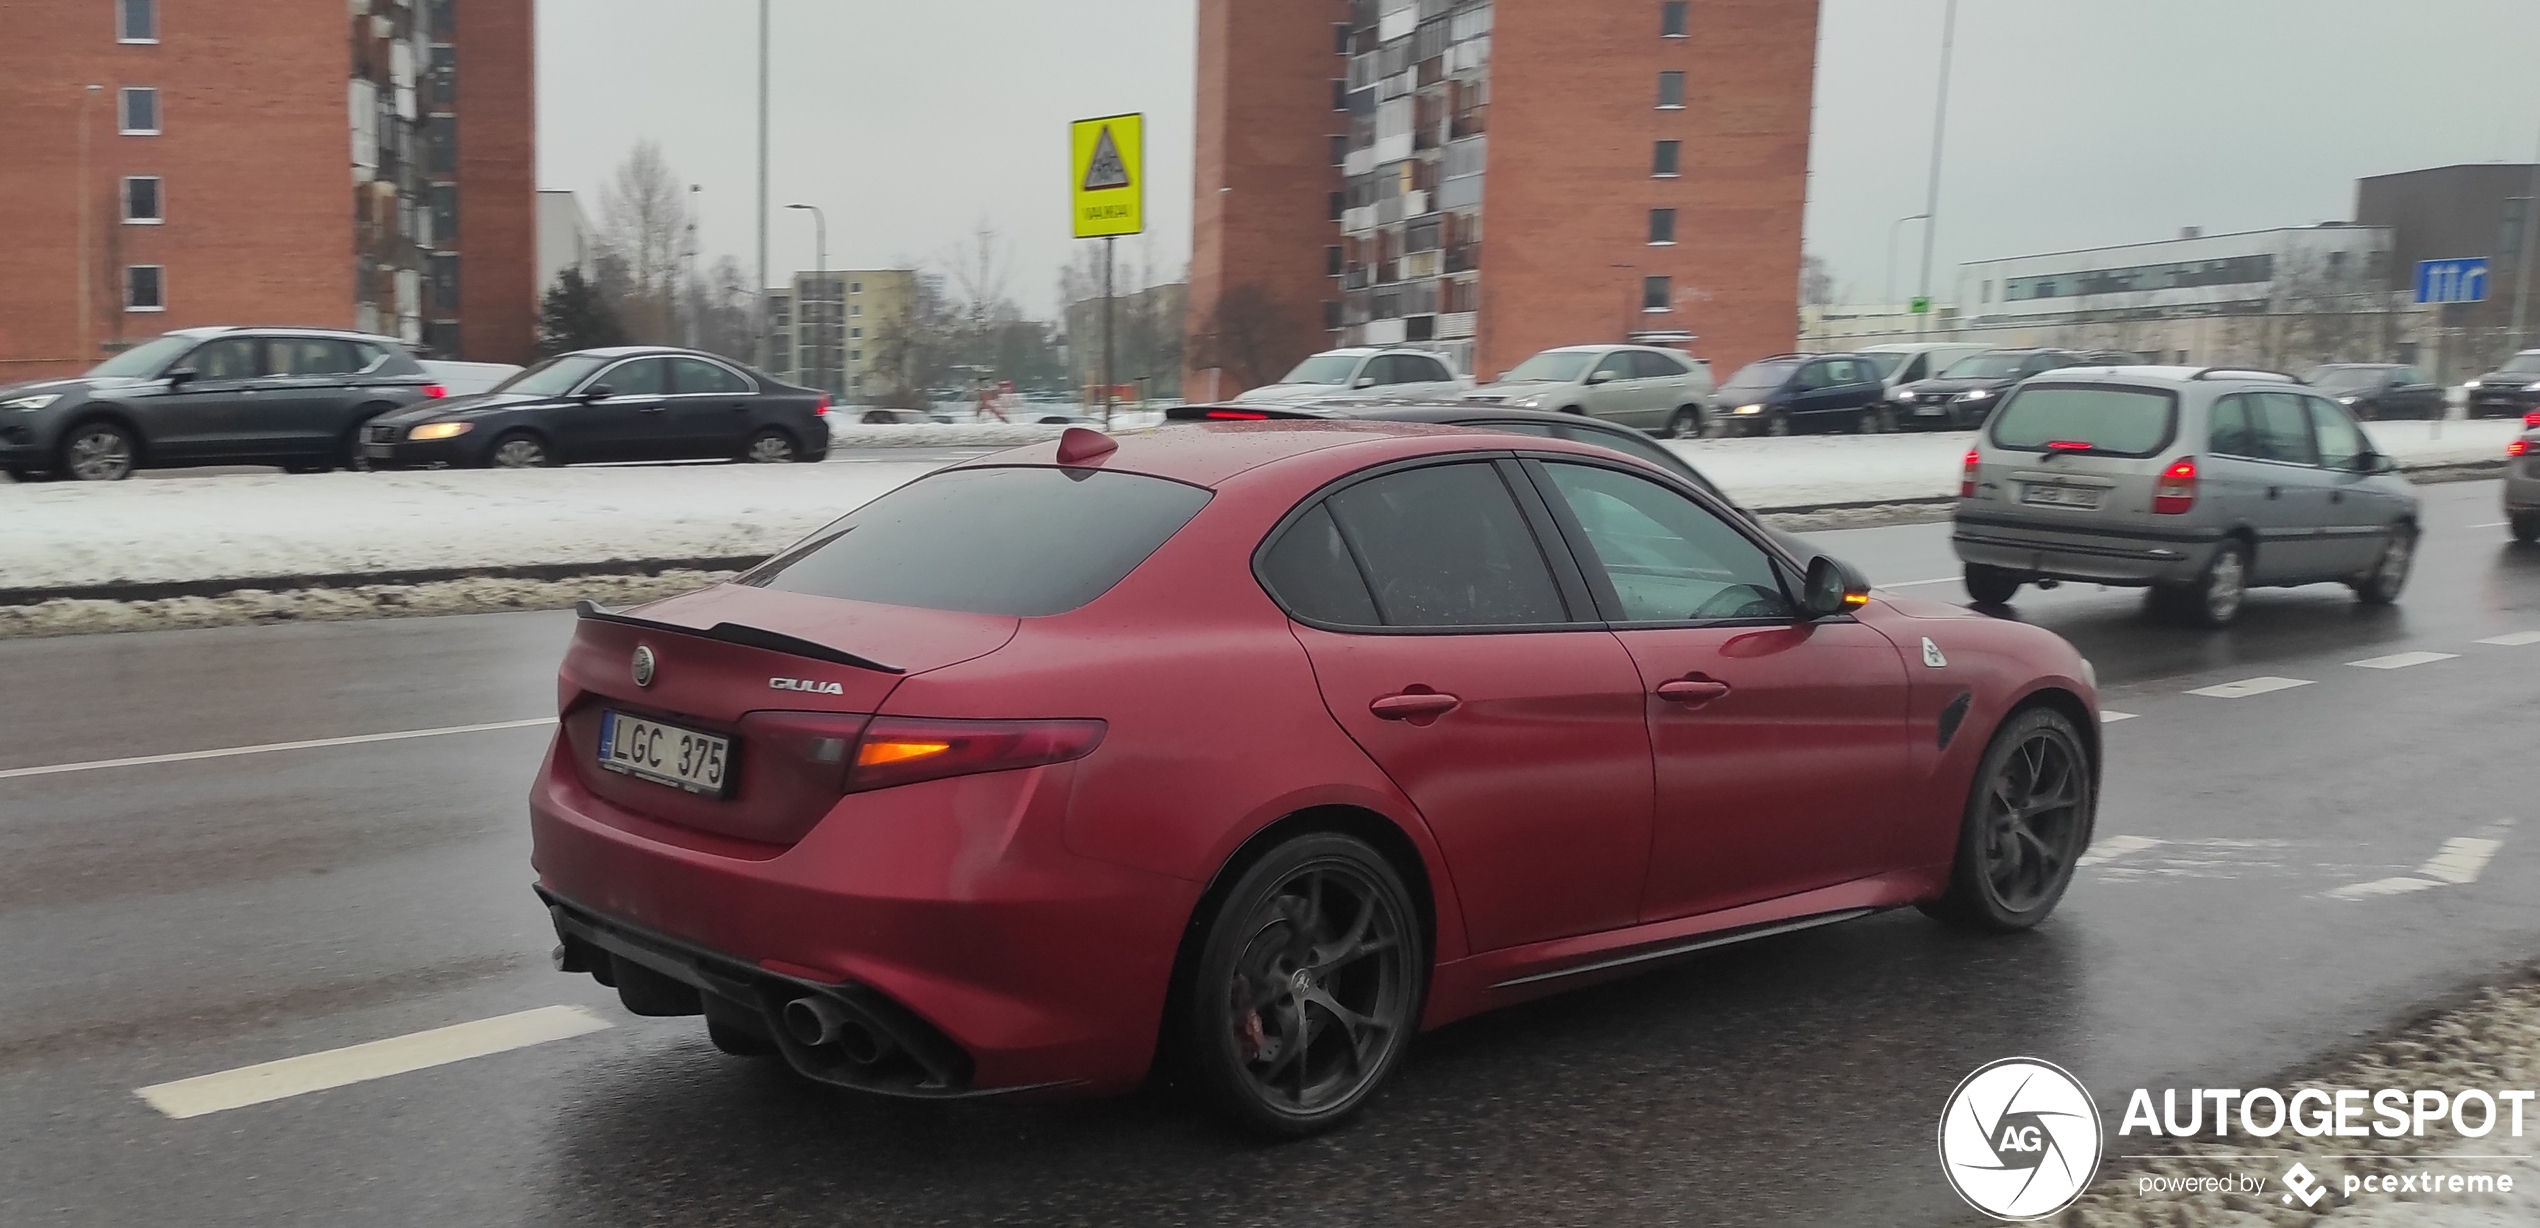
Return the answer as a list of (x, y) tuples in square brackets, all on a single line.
[(2020, 1139)]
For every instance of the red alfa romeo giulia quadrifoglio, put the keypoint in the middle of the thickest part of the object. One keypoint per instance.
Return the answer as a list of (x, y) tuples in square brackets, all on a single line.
[(1255, 749)]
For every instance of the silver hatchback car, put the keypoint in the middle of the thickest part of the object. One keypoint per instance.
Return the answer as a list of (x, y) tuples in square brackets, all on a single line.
[(2200, 483)]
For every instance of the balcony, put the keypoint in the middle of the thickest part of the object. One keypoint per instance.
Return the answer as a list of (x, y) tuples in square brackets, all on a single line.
[(1359, 220), (1455, 324), (1464, 258), (1359, 162)]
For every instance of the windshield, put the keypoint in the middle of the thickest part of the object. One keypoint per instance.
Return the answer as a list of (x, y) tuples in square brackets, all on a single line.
[(144, 360), (1322, 369), (554, 377), (1884, 362), (1993, 364), (2525, 363), (1557, 366), (1766, 374), (2339, 379), (2119, 421)]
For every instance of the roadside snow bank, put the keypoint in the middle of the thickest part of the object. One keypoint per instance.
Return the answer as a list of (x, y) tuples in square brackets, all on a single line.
[(470, 596)]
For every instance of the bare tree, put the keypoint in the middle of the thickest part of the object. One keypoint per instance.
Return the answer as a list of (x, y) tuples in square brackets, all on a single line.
[(1251, 334), (1816, 281), (644, 227), (972, 332)]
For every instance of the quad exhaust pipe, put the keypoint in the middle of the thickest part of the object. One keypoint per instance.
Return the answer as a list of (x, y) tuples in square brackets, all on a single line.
[(819, 1023)]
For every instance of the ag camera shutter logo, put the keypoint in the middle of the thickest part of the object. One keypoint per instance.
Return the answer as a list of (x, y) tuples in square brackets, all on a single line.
[(2020, 1139)]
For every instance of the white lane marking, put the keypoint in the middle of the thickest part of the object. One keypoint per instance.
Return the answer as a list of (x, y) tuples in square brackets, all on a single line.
[(2460, 860), (2107, 717), (2402, 660), (93, 765), (2514, 640), (2492, 524), (2381, 887), (2250, 686), (1918, 583), (316, 1072), (2109, 848)]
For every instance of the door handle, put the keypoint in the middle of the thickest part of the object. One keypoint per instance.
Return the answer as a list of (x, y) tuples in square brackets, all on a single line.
[(2337, 496), (2273, 491), (1417, 707), (652, 409), (1692, 692)]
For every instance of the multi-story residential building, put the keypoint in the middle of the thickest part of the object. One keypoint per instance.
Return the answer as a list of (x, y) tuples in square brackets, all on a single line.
[(564, 239), (825, 328), (167, 163), (1494, 177)]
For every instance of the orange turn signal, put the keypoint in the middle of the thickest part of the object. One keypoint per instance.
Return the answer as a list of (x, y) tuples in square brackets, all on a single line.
[(875, 754)]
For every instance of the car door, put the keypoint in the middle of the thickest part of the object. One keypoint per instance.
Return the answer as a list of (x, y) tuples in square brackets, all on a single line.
[(1665, 384), (307, 396), (1483, 687), (631, 423), (2416, 396), (2359, 515), (709, 408), (1428, 377), (1613, 391), (212, 415), (2291, 512), (1856, 383), (1812, 389), (1777, 741)]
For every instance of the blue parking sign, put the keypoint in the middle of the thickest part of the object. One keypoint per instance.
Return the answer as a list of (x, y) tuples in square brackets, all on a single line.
[(2452, 281)]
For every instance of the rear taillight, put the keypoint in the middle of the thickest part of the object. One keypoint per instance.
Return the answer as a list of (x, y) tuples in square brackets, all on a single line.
[(900, 750), (1236, 415), (2532, 418), (1967, 475), (435, 391), (2176, 493), (2517, 447), (821, 410)]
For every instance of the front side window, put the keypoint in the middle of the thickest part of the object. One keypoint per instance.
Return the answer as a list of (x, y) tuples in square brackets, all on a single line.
[(1556, 366), (1668, 558), (1671, 90), (1617, 365), (1445, 546), (228, 359), (137, 21), (554, 377), (139, 111), (145, 288), (698, 375), (2341, 445), (141, 206)]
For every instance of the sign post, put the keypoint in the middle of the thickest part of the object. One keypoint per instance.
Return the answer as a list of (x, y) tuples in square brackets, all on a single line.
[(1107, 196)]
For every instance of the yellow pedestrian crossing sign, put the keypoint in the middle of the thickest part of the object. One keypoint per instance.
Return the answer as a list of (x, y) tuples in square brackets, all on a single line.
[(1107, 183)]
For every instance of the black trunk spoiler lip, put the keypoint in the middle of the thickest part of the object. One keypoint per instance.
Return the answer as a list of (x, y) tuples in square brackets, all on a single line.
[(745, 636)]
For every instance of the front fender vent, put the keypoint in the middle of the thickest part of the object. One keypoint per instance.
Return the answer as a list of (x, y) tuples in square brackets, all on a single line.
[(1954, 714)]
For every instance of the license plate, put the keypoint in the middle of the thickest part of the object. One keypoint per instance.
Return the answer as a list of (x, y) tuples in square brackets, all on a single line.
[(378, 449), (2060, 496), (1930, 411), (664, 754)]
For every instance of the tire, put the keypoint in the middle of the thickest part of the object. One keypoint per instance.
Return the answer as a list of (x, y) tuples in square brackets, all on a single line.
[(771, 447), (2525, 526), (2215, 597), (308, 467), (519, 450), (2015, 858), (1991, 585), (1260, 981), (1778, 424), (98, 451), (2389, 573), (1685, 423), (1573, 409)]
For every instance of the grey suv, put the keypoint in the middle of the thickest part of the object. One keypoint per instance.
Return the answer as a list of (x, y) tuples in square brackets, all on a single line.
[(2198, 483)]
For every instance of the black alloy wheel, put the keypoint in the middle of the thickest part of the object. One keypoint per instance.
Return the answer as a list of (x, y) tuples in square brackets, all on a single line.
[(2525, 526), (1308, 985), (98, 452), (519, 450), (2027, 823)]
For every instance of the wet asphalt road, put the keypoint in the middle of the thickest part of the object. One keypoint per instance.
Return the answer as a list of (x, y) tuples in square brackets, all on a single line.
[(176, 919)]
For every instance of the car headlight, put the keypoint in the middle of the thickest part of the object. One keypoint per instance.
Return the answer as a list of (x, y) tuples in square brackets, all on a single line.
[(2473, 385), (2348, 400), (440, 430), (2531, 387), (1976, 394), (31, 403), (1750, 409)]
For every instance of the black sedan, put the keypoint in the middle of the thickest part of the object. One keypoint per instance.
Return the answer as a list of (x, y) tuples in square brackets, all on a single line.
[(633, 403), (1961, 396), (294, 397), (2378, 390)]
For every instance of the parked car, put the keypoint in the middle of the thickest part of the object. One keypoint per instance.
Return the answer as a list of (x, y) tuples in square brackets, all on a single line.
[(2372, 390), (1789, 393), (1645, 386), (632, 403), (2508, 391), (1369, 370), (1960, 397), (466, 379), (1265, 746), (294, 397), (2522, 482), (2200, 484), (881, 415), (1902, 363)]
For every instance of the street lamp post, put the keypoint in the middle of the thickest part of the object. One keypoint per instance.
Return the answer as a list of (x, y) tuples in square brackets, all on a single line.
[(759, 323), (1939, 126), (820, 278), (1891, 250), (696, 300)]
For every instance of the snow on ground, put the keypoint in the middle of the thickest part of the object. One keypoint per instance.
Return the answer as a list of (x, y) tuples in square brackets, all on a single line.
[(272, 525)]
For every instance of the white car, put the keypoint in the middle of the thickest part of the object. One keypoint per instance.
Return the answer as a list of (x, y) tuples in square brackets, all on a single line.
[(1363, 372), (1646, 386)]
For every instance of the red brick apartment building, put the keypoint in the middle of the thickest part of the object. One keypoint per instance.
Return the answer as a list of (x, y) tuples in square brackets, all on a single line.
[(1490, 178), (171, 163)]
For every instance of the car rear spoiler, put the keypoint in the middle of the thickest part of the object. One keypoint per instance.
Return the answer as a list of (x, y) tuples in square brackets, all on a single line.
[(1238, 413), (746, 637)]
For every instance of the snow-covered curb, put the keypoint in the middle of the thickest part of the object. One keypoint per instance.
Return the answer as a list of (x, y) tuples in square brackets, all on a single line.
[(476, 595)]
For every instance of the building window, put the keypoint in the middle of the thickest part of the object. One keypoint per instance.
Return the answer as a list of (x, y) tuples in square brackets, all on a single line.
[(1331, 316), (1671, 91), (1338, 204), (855, 355), (855, 332), (855, 287), (140, 111), (856, 310), (1332, 262), (1340, 150), (441, 145), (145, 287), (445, 214), (1662, 227), (141, 201), (137, 21), (1340, 93), (1672, 18), (1340, 38), (1657, 293), (1670, 153)]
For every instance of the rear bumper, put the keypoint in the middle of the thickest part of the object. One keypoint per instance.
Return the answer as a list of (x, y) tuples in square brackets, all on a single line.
[(2104, 556), (949, 905), (2522, 485)]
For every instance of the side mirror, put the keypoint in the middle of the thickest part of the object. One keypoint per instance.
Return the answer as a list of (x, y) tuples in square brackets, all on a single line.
[(1364, 381), (598, 392), (1599, 377), (2375, 462), (1831, 589), (178, 377)]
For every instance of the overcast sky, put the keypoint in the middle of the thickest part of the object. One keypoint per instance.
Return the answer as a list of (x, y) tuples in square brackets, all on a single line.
[(2072, 123)]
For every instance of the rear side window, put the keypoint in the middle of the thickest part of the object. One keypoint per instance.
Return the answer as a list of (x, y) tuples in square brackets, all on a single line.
[(1312, 572), (2120, 421), (644, 377), (698, 375), (1445, 546), (1020, 541), (2279, 428), (1654, 365), (307, 356)]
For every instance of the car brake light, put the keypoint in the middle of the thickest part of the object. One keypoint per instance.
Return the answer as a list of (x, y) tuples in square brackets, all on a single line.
[(2532, 418), (2068, 445), (2517, 447), (435, 391), (1236, 415), (2177, 490), (1967, 477), (821, 410), (899, 750)]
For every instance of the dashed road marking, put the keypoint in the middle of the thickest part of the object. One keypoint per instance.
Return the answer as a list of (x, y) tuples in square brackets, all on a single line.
[(2381, 886), (316, 1072), (93, 765), (2457, 863), (2250, 686), (2107, 717), (2402, 660), (2514, 640), (2109, 848)]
